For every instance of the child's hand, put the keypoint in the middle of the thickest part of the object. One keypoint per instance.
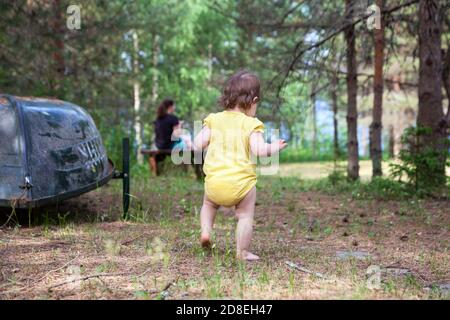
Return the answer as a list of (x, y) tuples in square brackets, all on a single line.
[(282, 143)]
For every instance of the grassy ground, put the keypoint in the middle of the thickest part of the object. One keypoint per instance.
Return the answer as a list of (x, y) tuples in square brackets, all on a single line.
[(319, 170), (83, 249)]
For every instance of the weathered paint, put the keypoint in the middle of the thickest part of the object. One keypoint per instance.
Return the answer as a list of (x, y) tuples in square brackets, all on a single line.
[(11, 169)]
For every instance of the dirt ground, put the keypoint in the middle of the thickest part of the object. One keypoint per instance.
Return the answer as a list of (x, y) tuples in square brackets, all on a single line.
[(313, 245)]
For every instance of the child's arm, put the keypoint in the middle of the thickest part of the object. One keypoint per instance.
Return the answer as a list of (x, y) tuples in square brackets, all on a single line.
[(201, 141), (177, 131), (262, 149)]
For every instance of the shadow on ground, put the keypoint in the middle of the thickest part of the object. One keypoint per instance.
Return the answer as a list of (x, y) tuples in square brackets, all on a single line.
[(99, 205)]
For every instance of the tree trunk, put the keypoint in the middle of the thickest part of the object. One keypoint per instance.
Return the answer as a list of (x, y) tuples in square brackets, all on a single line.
[(391, 142), (210, 62), (57, 25), (314, 124), (376, 126), (155, 60), (137, 98), (446, 84), (430, 95), (352, 90), (334, 102)]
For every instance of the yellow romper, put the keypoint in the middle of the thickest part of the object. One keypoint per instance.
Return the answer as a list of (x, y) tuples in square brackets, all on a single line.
[(229, 168)]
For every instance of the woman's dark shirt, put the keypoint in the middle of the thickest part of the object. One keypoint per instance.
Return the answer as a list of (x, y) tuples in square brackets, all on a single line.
[(163, 131)]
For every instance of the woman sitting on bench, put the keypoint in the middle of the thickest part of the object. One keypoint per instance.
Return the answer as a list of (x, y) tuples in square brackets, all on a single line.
[(168, 133), (166, 125)]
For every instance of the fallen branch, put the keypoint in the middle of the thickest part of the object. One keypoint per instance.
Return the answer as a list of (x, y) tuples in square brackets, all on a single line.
[(57, 269), (127, 242), (13, 212), (170, 284), (32, 285), (86, 278), (98, 275), (302, 269), (164, 293)]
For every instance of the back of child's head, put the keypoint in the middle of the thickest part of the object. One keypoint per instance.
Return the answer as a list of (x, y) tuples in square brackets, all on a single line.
[(242, 89)]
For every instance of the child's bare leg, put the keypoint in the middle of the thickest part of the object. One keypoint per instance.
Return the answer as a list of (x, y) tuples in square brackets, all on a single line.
[(207, 215), (245, 211)]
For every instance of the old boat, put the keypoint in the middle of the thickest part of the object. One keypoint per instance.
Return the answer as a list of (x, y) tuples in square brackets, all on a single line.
[(51, 150)]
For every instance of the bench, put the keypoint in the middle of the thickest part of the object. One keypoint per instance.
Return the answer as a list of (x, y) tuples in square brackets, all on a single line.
[(198, 168)]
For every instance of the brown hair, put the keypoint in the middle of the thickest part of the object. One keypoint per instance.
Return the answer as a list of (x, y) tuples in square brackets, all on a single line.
[(162, 109), (240, 90)]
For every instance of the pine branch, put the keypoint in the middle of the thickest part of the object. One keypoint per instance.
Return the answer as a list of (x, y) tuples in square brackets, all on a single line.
[(331, 36)]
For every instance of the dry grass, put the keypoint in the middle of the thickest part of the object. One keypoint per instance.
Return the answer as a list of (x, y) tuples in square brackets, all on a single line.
[(318, 170), (156, 254)]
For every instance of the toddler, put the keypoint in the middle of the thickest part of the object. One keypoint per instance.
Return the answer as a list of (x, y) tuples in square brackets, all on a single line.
[(232, 137)]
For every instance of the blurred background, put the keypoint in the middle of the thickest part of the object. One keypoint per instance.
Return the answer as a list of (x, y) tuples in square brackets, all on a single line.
[(119, 59)]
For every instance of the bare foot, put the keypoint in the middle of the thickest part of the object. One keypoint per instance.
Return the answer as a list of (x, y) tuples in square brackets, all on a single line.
[(205, 241), (248, 256)]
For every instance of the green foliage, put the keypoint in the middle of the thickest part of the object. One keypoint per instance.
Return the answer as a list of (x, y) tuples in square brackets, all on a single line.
[(382, 188), (186, 51), (336, 177), (337, 183), (420, 166), (378, 188), (305, 153), (198, 43)]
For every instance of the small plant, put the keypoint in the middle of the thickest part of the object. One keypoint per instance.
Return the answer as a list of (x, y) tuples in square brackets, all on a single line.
[(13, 216), (291, 282), (157, 251), (336, 177), (106, 267), (420, 165), (328, 230), (264, 278), (141, 294), (112, 247), (62, 219), (214, 286), (384, 188)]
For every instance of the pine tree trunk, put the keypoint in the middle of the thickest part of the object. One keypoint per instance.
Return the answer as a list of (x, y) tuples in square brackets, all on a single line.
[(376, 126), (446, 84), (352, 90), (334, 101), (137, 98), (57, 25), (430, 85)]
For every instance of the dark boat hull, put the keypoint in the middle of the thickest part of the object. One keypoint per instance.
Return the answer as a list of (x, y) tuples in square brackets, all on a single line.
[(50, 150), (35, 203)]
